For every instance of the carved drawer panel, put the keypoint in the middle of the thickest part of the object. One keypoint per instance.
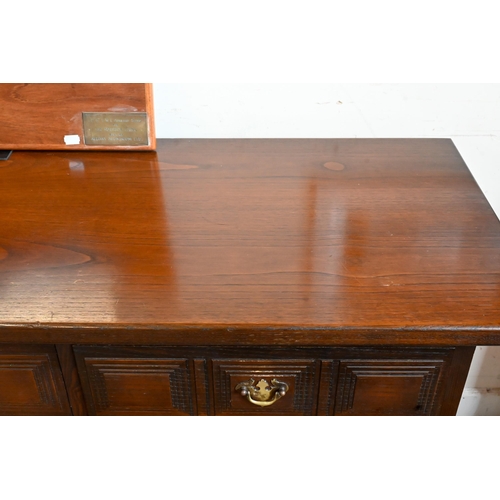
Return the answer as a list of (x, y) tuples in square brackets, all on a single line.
[(31, 382), (265, 387), (135, 385), (388, 387), (219, 380)]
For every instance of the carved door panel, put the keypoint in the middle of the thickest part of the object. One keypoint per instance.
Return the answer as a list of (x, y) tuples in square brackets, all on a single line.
[(388, 387), (127, 382), (265, 387), (31, 382)]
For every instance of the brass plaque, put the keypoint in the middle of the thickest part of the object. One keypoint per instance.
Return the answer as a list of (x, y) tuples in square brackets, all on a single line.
[(115, 129)]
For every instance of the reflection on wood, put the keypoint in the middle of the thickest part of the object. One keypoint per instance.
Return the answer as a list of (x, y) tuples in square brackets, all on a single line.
[(104, 232), (240, 234)]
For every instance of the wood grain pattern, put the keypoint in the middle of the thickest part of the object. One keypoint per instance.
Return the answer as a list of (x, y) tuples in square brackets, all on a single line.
[(123, 383), (248, 242), (381, 387), (454, 381), (31, 381), (202, 387), (38, 115), (71, 379)]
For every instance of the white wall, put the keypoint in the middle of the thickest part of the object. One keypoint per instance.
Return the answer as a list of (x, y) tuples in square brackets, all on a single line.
[(468, 113)]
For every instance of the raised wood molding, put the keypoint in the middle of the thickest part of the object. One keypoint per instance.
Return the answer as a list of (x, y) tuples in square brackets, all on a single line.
[(300, 375), (136, 386), (30, 382), (413, 382)]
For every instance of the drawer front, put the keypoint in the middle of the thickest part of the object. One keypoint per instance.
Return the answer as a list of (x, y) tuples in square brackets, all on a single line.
[(388, 387), (31, 382), (221, 380), (123, 383), (265, 387)]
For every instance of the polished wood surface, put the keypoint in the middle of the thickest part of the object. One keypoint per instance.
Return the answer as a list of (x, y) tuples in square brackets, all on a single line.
[(38, 115), (324, 242)]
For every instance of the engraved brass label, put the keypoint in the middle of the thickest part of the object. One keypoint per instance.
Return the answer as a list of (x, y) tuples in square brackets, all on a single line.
[(115, 129)]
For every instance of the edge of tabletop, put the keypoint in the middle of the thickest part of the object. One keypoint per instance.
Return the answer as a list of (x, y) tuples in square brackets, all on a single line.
[(247, 335)]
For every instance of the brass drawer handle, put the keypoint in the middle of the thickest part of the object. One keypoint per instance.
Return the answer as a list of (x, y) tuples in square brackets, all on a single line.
[(263, 394)]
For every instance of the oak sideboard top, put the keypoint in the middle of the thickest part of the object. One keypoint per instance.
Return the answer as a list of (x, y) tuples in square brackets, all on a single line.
[(249, 241)]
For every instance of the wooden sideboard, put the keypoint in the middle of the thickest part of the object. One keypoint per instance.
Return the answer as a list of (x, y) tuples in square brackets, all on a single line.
[(244, 277)]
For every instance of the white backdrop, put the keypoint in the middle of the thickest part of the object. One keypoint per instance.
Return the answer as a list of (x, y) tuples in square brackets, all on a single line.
[(467, 113)]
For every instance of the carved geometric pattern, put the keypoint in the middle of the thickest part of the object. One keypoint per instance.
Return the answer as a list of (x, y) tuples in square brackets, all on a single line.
[(327, 387), (28, 386), (140, 385), (423, 374), (300, 375)]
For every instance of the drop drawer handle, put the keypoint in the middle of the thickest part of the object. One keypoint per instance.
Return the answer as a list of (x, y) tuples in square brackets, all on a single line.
[(263, 394)]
